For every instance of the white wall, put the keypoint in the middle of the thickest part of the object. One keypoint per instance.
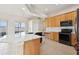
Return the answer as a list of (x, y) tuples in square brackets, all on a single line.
[(36, 26), (11, 19)]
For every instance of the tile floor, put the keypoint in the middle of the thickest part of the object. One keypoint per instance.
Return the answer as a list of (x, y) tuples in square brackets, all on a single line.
[(50, 47)]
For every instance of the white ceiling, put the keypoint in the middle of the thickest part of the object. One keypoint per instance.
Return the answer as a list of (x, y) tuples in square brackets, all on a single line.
[(48, 8), (12, 9), (32, 9)]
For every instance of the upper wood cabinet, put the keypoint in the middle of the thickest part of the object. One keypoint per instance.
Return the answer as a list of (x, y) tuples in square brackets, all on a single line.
[(55, 21), (68, 16), (71, 16), (62, 17), (50, 22)]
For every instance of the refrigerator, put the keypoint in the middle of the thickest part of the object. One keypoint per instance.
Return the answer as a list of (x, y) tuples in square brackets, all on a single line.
[(77, 30)]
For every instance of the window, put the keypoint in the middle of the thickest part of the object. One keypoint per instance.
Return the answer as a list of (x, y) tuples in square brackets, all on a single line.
[(30, 29), (20, 27), (3, 28)]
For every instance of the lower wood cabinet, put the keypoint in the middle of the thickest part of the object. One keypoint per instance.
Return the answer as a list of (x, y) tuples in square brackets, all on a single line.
[(53, 36), (32, 47), (74, 40), (56, 36)]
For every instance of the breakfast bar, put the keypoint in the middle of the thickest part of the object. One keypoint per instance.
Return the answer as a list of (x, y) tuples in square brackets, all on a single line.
[(29, 45)]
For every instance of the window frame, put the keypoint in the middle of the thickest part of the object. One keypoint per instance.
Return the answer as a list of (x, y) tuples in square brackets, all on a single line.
[(19, 28), (4, 27)]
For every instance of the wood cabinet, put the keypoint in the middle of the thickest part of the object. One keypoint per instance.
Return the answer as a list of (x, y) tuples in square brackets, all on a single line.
[(32, 47), (52, 35), (50, 22), (71, 16), (62, 17), (74, 40), (55, 22), (56, 36)]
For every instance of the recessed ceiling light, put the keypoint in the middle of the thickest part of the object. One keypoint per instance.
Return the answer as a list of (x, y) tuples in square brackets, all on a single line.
[(57, 4), (23, 8)]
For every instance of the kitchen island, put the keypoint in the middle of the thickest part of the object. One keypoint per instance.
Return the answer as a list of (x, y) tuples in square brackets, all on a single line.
[(24, 45), (32, 47), (30, 44)]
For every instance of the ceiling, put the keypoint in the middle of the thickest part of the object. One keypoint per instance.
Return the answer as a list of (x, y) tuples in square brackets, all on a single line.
[(31, 10), (48, 8), (12, 9)]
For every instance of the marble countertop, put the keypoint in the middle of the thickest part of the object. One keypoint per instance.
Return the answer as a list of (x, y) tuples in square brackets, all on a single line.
[(23, 38), (27, 37)]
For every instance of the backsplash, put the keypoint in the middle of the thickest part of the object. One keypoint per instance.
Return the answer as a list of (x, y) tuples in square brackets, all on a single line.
[(58, 29)]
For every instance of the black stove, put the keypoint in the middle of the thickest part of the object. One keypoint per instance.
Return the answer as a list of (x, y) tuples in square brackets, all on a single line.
[(65, 34)]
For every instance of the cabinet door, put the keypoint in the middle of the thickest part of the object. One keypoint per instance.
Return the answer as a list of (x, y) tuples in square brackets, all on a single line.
[(28, 48), (53, 22), (57, 21), (50, 22), (55, 36), (68, 16), (36, 46), (62, 17), (71, 16), (32, 47), (73, 40), (51, 35)]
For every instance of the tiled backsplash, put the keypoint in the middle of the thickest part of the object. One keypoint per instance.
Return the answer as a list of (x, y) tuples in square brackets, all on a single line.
[(58, 29)]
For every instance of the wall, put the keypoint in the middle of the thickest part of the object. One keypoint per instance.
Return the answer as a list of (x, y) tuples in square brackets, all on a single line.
[(36, 25), (11, 19)]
